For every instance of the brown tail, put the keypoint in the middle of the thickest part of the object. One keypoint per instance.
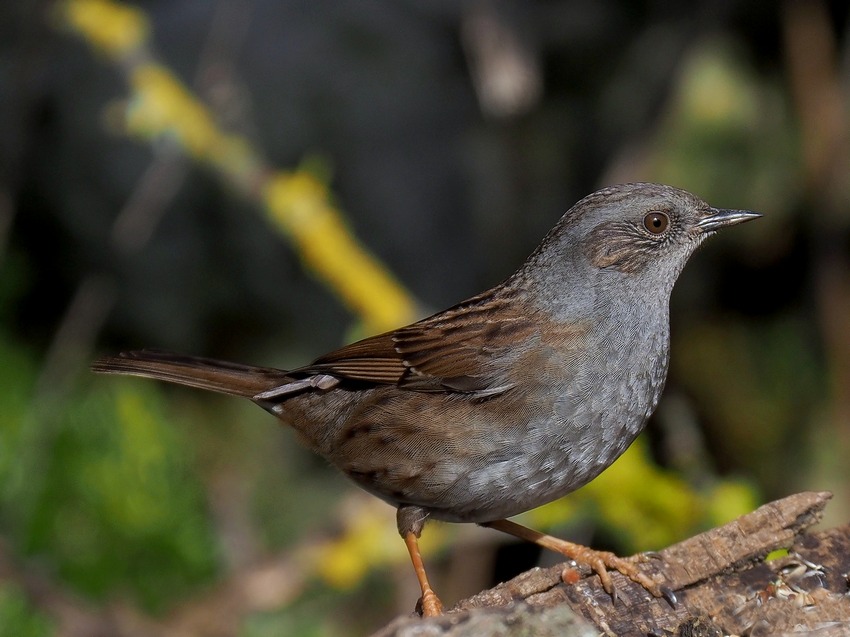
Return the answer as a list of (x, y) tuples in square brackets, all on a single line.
[(203, 373)]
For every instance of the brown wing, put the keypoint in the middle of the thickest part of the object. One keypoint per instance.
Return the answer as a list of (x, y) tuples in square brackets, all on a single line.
[(450, 351), (373, 359)]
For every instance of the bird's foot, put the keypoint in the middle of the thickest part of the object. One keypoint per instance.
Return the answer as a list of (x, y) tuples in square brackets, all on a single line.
[(603, 561), (599, 561)]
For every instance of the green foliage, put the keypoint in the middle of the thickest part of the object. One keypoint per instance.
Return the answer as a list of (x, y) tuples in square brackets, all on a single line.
[(769, 400), (18, 618), (728, 131), (102, 486)]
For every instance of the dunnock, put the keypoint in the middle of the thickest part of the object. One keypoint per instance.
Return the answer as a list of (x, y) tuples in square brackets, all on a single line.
[(508, 400)]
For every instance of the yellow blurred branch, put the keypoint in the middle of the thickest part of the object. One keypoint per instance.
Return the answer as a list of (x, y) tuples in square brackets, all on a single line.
[(296, 203)]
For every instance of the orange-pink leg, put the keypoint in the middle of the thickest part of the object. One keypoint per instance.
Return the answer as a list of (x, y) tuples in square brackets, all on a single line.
[(431, 605)]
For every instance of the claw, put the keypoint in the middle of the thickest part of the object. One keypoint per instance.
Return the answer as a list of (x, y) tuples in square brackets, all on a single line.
[(615, 596), (668, 594)]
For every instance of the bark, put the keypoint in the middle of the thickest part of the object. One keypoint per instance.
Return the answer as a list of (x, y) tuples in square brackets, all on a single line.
[(723, 584)]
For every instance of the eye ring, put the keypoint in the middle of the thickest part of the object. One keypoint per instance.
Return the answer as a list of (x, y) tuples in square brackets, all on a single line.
[(656, 222)]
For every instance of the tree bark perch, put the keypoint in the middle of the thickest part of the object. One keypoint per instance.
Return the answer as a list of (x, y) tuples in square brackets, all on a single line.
[(722, 582)]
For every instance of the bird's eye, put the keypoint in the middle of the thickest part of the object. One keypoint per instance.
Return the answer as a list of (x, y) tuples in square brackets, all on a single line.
[(656, 222)]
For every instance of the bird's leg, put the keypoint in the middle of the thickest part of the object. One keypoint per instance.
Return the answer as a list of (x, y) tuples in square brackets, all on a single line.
[(410, 522), (599, 561), (431, 605)]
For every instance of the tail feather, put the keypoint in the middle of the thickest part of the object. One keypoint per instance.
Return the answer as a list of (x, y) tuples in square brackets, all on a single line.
[(204, 373)]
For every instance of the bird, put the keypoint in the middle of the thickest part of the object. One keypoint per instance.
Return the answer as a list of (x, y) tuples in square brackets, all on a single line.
[(503, 402)]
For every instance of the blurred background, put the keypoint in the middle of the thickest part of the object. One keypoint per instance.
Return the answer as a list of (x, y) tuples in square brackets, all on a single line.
[(265, 181)]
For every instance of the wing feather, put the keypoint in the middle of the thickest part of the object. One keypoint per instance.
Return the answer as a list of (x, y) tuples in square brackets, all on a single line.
[(454, 350)]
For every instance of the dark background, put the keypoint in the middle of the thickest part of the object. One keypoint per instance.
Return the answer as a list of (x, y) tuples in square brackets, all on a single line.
[(128, 502)]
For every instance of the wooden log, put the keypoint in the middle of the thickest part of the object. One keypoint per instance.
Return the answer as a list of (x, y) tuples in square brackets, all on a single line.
[(723, 584)]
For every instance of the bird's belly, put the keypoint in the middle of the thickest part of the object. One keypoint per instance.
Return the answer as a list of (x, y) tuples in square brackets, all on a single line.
[(507, 486), (563, 446)]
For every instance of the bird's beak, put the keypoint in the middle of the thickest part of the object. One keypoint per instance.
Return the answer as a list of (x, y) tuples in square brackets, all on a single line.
[(720, 218)]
